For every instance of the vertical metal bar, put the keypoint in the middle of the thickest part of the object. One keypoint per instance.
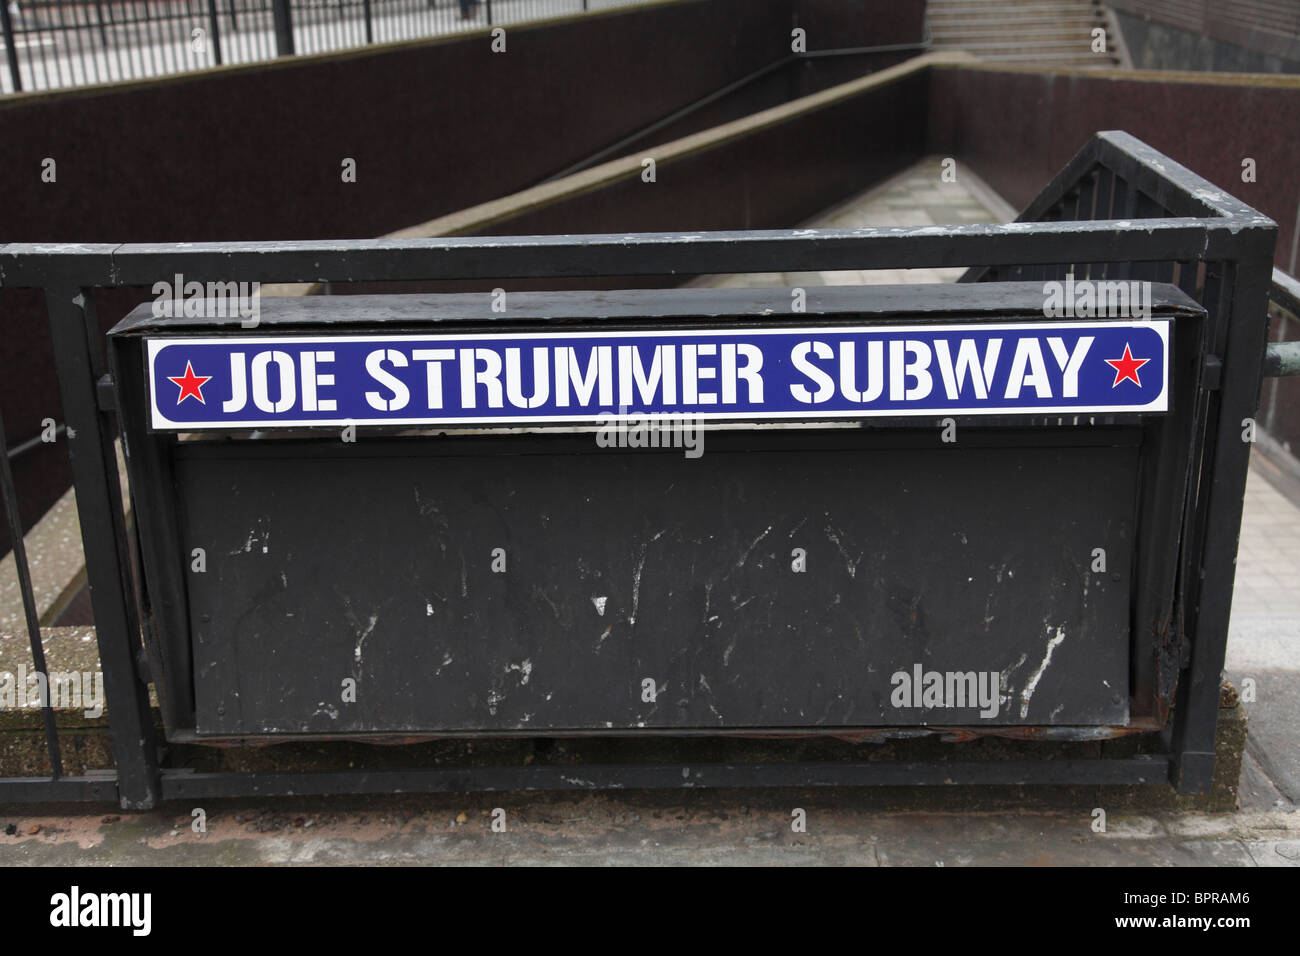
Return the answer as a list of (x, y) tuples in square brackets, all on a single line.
[(1148, 208), (62, 39), (489, 12), (123, 72), (1196, 714), (134, 56), (1215, 297), (212, 28), (31, 57), (86, 39), (1083, 212), (99, 18), (86, 42), (11, 50), (148, 63), (187, 58), (1063, 210), (78, 362), (1101, 210), (265, 39), (1125, 207), (283, 27), (156, 62), (370, 32), (171, 49), (309, 20), (333, 29), (29, 602)]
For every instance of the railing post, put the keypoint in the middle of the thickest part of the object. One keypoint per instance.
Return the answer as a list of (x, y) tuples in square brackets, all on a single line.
[(370, 37), (280, 12), (212, 28), (489, 12), (1196, 713), (79, 364), (30, 614), (99, 19), (11, 50)]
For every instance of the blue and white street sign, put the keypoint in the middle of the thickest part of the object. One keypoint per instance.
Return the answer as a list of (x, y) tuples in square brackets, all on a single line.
[(791, 373)]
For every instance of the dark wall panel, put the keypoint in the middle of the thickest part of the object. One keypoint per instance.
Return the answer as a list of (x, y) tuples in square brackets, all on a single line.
[(1041, 120), (836, 24)]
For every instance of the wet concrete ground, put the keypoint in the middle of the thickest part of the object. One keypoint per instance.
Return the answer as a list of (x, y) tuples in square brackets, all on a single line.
[(647, 830)]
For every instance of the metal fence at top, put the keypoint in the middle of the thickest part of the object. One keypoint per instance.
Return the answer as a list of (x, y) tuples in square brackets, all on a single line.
[(49, 44)]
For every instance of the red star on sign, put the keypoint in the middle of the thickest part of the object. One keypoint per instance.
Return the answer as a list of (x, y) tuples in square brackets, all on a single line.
[(190, 384), (1126, 367)]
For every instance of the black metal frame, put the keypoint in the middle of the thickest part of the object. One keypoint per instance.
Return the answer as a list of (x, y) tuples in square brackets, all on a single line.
[(1156, 215), (1162, 442)]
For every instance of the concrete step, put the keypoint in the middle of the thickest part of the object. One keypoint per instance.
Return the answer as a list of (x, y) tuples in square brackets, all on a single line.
[(1075, 11), (1085, 60), (1040, 49), (1072, 23), (1076, 15), (1008, 4), (1023, 31), (1009, 32), (970, 8)]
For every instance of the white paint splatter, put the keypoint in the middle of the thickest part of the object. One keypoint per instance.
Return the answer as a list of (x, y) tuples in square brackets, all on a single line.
[(525, 670), (636, 576), (850, 565), (600, 604), (361, 638), (752, 545), (1057, 640)]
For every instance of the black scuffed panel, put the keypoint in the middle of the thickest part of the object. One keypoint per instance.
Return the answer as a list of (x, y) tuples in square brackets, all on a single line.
[(622, 566)]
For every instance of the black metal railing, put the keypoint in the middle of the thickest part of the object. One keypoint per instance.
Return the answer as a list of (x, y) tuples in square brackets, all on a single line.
[(50, 44), (1283, 356), (1219, 249)]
